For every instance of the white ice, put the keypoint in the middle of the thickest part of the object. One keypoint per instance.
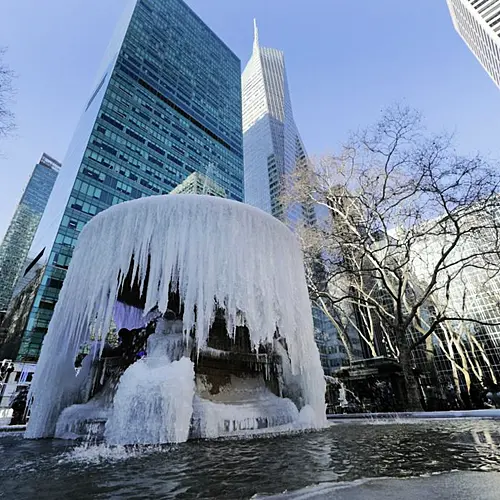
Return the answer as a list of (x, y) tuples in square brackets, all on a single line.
[(218, 252), (241, 406), (153, 403)]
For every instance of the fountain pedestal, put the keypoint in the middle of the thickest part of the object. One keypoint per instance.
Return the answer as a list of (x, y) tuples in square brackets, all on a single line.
[(231, 279)]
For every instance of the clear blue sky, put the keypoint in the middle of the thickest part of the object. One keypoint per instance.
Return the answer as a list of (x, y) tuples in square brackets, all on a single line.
[(346, 60)]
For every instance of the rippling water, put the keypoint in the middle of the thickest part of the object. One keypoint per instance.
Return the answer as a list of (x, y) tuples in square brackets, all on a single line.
[(244, 468)]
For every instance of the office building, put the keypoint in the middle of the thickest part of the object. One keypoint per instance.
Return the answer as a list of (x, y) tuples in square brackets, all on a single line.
[(271, 141), (16, 317), (272, 150), (16, 243), (197, 183), (467, 289), (332, 351), (167, 103), (478, 23)]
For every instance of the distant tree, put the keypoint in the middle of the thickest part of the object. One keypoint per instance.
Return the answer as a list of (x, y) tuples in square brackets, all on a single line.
[(402, 217), (6, 93)]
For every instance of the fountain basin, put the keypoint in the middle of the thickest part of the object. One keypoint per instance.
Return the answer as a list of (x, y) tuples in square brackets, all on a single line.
[(222, 284)]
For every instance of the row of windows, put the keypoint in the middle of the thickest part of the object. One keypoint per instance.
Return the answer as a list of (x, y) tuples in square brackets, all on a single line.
[(332, 349), (65, 240), (124, 188), (128, 173), (139, 151), (61, 260), (87, 189), (113, 151), (174, 106), (94, 173), (194, 134), (72, 223), (109, 198), (82, 206)]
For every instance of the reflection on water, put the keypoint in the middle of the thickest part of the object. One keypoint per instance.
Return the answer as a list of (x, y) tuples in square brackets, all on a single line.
[(241, 469)]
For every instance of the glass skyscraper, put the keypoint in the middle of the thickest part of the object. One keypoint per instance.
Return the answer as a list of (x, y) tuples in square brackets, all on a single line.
[(271, 141), (167, 104), (198, 183), (478, 23), (16, 243), (272, 150)]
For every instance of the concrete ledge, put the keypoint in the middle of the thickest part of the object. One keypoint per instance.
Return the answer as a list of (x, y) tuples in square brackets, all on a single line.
[(491, 414)]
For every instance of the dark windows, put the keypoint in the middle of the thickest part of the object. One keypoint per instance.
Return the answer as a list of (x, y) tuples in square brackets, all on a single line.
[(152, 159), (113, 122), (94, 174), (136, 136), (47, 305), (156, 148), (106, 147), (175, 160), (53, 283)]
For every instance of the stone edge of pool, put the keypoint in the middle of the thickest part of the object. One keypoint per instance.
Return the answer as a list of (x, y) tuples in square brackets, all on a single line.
[(490, 414)]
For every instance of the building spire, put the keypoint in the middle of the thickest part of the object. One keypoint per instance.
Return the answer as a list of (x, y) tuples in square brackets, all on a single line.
[(255, 35)]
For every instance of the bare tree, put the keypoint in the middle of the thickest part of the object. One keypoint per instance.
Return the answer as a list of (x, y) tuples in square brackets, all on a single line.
[(401, 217), (6, 93)]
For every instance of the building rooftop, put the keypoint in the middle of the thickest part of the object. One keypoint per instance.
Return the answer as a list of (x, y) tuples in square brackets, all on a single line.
[(197, 183), (50, 162)]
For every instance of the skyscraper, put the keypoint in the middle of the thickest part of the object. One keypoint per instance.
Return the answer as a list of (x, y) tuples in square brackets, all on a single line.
[(198, 183), (271, 142), (471, 293), (478, 23), (167, 103), (16, 243), (272, 150)]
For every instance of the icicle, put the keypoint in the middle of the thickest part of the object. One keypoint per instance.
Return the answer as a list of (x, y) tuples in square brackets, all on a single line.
[(216, 251)]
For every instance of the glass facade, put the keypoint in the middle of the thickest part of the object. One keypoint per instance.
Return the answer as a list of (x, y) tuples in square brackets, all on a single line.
[(198, 183), (478, 23), (16, 243), (272, 144), (168, 105), (473, 293), (272, 150)]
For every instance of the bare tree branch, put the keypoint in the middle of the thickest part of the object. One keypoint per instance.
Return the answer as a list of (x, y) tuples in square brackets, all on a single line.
[(402, 220)]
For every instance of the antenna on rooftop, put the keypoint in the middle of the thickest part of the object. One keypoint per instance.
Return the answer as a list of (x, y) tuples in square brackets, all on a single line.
[(255, 35)]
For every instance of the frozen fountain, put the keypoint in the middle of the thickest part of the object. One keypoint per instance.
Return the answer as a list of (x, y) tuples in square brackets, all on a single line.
[(210, 300)]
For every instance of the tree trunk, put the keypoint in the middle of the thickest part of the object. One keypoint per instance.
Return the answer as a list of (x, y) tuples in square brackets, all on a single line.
[(413, 401)]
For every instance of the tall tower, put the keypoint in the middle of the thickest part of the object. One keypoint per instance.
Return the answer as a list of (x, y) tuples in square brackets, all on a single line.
[(167, 103), (271, 142), (16, 243), (272, 150), (478, 23)]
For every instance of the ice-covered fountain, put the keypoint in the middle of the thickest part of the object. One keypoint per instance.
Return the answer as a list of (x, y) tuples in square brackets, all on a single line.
[(209, 296)]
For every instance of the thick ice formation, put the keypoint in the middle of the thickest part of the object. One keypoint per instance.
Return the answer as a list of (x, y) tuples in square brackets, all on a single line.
[(129, 317), (75, 420), (242, 406), (153, 403), (219, 253), (154, 400)]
